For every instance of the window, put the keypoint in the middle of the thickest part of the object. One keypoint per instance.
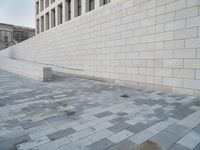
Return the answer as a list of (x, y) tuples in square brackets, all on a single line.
[(104, 2), (38, 26), (77, 5), (91, 5), (42, 24), (46, 3), (41, 5), (53, 18), (68, 9), (52, 1), (60, 14), (37, 7), (47, 21)]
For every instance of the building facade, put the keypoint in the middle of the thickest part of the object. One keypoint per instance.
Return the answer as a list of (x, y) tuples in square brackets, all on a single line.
[(151, 44), (51, 13), (6, 36), (12, 34)]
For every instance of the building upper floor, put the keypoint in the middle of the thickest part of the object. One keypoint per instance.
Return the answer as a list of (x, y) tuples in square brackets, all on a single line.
[(51, 13)]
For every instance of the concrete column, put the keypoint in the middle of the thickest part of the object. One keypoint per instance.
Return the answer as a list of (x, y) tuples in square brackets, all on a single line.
[(50, 19), (97, 4), (45, 22), (83, 6), (39, 25), (73, 9), (64, 11), (39, 7), (56, 15)]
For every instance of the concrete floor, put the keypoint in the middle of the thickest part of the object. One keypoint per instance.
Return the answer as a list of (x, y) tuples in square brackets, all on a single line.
[(70, 113)]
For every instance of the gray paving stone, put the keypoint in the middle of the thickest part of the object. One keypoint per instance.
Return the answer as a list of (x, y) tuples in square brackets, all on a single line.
[(164, 139), (197, 129), (53, 145), (104, 114), (148, 145), (119, 127), (141, 137), (12, 143), (178, 147), (101, 145), (118, 120), (197, 147), (123, 145), (120, 136), (92, 111), (190, 140), (178, 130), (31, 124), (137, 127), (60, 134)]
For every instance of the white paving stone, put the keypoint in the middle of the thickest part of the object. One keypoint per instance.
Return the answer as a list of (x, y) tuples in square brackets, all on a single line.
[(116, 138)]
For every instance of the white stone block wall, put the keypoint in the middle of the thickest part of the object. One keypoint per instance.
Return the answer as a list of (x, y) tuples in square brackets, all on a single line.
[(146, 43)]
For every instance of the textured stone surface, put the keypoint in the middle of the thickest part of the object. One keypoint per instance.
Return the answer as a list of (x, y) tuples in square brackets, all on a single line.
[(151, 44), (79, 114)]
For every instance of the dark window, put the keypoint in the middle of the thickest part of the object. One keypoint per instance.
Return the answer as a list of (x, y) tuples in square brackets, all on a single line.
[(38, 26), (41, 5), (60, 14), (37, 7), (106, 2), (53, 19), (91, 5), (42, 24), (79, 7), (47, 21), (68, 9), (46, 3)]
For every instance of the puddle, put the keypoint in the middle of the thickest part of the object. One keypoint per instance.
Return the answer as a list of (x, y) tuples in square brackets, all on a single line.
[(70, 113), (148, 145), (124, 96), (122, 113)]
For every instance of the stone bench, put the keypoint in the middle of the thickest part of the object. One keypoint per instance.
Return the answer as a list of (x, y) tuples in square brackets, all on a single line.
[(25, 68)]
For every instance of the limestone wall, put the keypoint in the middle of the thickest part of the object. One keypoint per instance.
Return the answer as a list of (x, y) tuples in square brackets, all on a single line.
[(146, 43)]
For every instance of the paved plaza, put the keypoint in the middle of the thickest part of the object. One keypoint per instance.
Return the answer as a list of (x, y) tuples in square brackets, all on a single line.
[(72, 113)]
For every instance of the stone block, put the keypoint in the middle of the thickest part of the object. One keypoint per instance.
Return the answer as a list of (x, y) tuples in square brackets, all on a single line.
[(189, 83), (186, 33), (187, 13), (177, 5), (175, 82), (184, 73), (192, 63), (193, 22), (185, 53), (120, 136), (175, 44), (175, 25), (191, 140), (166, 18), (164, 36), (163, 72), (191, 3)]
